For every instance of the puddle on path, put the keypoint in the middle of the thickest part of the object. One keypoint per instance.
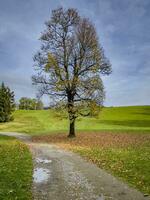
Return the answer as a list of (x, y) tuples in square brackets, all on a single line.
[(101, 197), (42, 160), (41, 175)]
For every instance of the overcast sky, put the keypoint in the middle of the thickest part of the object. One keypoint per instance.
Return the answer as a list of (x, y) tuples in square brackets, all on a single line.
[(122, 26)]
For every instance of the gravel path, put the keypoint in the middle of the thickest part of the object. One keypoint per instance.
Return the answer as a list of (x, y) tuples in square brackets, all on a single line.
[(62, 175)]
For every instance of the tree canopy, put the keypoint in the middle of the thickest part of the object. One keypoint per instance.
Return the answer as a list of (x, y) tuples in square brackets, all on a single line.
[(70, 63)]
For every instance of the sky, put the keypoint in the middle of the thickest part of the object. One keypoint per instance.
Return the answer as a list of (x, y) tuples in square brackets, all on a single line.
[(123, 28)]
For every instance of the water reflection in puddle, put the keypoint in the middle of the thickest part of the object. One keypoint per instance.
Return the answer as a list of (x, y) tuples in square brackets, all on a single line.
[(101, 197), (41, 175), (42, 160)]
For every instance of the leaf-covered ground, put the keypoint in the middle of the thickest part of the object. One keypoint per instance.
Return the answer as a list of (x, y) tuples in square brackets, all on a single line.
[(15, 170), (125, 155)]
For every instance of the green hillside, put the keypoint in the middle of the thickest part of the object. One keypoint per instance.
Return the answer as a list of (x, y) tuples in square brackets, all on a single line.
[(127, 119)]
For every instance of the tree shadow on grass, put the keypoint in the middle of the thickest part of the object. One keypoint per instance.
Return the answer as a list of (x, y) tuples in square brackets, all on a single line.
[(144, 111), (131, 123)]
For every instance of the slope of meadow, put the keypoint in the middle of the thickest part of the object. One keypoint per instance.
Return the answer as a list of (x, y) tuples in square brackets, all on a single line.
[(118, 119)]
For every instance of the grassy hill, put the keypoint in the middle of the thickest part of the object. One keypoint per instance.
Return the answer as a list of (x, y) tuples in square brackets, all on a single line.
[(118, 119)]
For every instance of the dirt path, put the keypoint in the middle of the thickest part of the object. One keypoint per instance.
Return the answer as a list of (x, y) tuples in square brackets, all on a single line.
[(62, 175)]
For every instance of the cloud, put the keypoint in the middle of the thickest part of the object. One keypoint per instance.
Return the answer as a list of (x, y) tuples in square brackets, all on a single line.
[(123, 29)]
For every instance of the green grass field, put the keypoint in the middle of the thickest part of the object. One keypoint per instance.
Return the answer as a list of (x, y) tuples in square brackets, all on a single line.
[(124, 119), (15, 169)]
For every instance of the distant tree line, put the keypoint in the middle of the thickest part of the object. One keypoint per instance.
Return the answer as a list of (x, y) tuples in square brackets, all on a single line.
[(7, 103), (26, 103)]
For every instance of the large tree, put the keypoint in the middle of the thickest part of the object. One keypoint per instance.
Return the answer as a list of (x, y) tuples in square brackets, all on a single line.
[(70, 62), (7, 103)]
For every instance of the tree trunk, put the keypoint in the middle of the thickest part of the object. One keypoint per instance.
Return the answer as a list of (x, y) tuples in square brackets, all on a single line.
[(71, 115), (72, 128)]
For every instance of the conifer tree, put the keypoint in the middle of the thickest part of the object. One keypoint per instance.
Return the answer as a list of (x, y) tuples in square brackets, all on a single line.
[(7, 103)]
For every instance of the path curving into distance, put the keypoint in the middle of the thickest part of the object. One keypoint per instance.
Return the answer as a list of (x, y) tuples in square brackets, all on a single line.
[(62, 175)]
